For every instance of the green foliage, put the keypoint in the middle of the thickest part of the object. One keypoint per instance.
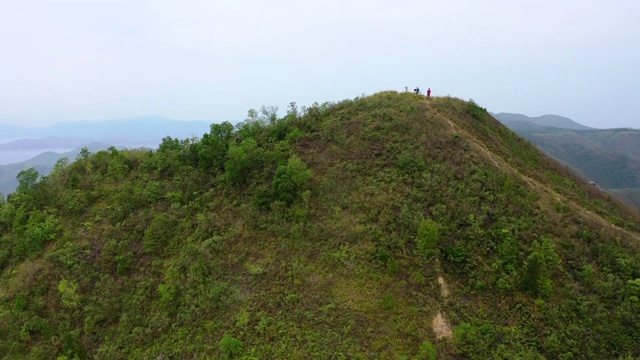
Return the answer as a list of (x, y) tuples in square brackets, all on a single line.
[(39, 229), (411, 164), (388, 301), (153, 192), (231, 347), (159, 233), (243, 160), (68, 294), (534, 279), (27, 179), (213, 147), (269, 114), (476, 111), (290, 180), (507, 262), (428, 238), (507, 251), (83, 154), (426, 351), (539, 267), (118, 164), (633, 287), (475, 340)]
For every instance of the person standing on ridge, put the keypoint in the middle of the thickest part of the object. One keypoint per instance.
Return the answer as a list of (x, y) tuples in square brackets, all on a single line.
[(429, 93), (416, 90)]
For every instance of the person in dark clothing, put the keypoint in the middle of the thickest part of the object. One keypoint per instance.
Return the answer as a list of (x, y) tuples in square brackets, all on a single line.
[(429, 93), (416, 90)]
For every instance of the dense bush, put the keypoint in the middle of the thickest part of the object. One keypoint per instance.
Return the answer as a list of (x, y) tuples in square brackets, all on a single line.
[(290, 180)]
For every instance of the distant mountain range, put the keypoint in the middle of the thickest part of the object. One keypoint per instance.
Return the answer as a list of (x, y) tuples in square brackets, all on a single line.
[(608, 157), (140, 128), (43, 163), (524, 122)]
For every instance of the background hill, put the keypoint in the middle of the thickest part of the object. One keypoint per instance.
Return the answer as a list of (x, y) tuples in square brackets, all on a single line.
[(388, 226), (140, 128), (520, 121), (43, 163), (609, 157)]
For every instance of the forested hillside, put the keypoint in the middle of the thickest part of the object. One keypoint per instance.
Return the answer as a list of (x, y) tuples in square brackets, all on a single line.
[(384, 227)]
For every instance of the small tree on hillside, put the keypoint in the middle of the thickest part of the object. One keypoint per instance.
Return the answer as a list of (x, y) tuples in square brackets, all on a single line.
[(269, 114), (290, 180), (26, 179), (543, 260)]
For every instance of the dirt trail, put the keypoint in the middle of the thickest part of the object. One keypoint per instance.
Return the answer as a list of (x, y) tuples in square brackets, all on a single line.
[(444, 288), (441, 326)]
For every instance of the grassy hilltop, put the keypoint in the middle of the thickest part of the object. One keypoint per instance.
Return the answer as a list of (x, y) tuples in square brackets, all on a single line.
[(385, 227)]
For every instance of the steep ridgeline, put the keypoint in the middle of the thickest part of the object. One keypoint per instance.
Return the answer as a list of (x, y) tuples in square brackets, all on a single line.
[(384, 227)]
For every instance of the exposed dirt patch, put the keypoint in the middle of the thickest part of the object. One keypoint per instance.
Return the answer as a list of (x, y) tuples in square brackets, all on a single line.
[(441, 326), (444, 288)]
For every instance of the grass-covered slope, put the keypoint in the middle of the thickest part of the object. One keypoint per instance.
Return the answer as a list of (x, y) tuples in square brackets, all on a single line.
[(609, 157), (384, 227)]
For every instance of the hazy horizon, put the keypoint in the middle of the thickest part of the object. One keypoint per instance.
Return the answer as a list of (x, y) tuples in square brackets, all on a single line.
[(197, 60)]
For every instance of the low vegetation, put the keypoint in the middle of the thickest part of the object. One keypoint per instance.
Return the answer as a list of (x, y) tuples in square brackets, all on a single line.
[(608, 157), (321, 234)]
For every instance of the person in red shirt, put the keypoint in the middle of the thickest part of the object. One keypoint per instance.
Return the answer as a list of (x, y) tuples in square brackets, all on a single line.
[(429, 93)]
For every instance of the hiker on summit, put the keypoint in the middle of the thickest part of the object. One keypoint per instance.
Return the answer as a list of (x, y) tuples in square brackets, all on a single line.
[(429, 93), (416, 90)]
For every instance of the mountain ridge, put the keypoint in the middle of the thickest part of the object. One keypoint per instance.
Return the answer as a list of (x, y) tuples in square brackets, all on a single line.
[(520, 120), (145, 127), (387, 226)]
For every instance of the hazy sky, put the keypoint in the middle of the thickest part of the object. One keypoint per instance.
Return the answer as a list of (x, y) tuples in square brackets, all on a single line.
[(69, 60)]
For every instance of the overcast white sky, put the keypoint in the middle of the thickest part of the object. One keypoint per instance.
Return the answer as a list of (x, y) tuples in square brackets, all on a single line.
[(70, 60)]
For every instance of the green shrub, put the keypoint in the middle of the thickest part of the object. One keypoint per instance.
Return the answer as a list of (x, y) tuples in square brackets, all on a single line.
[(68, 294), (411, 164), (426, 351), (242, 161), (118, 164), (27, 179), (262, 199), (475, 340), (213, 148), (39, 229), (476, 111), (290, 180), (428, 237), (507, 252), (231, 347), (457, 254), (533, 274), (159, 233), (388, 301), (536, 279), (153, 192)]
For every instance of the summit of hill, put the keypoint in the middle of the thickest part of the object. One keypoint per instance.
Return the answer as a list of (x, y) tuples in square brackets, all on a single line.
[(389, 226)]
